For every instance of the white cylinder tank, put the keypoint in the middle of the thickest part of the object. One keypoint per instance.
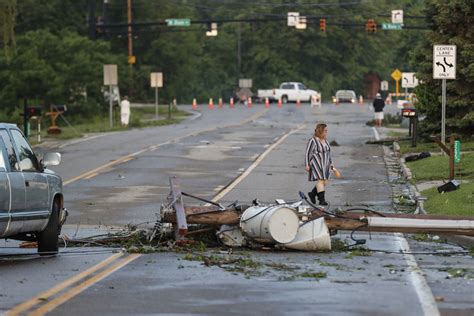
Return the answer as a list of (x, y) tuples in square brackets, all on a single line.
[(270, 224)]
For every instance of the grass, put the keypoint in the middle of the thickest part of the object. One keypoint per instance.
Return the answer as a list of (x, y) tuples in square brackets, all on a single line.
[(140, 117), (459, 202), (395, 134), (437, 168), (405, 146)]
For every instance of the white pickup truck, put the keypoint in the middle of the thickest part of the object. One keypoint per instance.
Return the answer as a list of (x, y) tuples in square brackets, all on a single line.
[(288, 91)]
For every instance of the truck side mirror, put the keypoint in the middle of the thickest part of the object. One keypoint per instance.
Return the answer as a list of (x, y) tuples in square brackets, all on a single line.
[(51, 159)]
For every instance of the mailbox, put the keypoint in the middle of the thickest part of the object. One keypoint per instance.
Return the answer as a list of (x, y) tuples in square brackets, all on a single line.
[(409, 112), (33, 111), (59, 108)]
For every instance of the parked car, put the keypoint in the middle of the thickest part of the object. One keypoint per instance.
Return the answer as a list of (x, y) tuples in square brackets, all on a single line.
[(288, 91), (345, 96), (31, 196)]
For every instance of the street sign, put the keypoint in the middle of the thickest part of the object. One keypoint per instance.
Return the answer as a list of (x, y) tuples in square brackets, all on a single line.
[(156, 79), (301, 23), (391, 26), (409, 80), (132, 60), (110, 75), (245, 83), (444, 62), (178, 22), (457, 151), (396, 75), (384, 85), (397, 16), (293, 18)]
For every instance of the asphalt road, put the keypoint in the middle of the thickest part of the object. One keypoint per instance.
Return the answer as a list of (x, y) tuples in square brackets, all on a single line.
[(121, 178)]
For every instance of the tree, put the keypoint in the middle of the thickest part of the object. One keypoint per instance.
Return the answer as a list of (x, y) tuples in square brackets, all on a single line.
[(55, 69), (451, 24)]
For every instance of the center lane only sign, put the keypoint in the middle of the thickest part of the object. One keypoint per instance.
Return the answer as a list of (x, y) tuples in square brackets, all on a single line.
[(444, 62)]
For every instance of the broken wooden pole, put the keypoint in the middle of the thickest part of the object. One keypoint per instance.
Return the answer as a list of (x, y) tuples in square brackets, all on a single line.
[(348, 221), (207, 215), (177, 204)]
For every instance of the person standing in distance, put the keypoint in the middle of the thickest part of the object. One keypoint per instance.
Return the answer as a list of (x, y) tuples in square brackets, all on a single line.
[(378, 104), (319, 163), (125, 111)]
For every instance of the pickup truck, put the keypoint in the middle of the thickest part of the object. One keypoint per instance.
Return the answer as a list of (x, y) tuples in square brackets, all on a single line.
[(31, 196), (288, 91)]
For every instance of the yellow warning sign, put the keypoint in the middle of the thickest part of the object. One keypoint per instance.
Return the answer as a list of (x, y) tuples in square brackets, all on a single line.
[(132, 60), (396, 75)]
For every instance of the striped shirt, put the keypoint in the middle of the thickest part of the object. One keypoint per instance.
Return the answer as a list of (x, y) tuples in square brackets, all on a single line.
[(318, 158)]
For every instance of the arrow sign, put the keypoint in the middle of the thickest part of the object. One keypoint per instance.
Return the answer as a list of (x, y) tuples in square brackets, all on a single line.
[(409, 80), (444, 62), (440, 64)]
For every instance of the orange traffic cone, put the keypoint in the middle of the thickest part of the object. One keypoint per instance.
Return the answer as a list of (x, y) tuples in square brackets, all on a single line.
[(267, 103), (280, 104), (361, 99), (231, 102), (298, 102), (211, 104), (220, 103), (388, 100), (195, 106), (249, 102)]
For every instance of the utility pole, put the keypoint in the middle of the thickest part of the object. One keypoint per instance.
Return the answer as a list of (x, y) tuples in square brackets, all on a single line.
[(131, 58), (239, 51), (91, 19)]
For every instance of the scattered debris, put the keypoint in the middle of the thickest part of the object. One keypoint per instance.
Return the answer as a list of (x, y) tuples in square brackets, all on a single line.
[(334, 143), (421, 155)]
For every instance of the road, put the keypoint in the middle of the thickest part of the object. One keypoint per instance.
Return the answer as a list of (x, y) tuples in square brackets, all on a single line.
[(119, 179)]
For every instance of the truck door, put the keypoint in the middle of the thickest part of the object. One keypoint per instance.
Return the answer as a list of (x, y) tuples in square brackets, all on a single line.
[(293, 92), (17, 185), (302, 95), (36, 183), (4, 191)]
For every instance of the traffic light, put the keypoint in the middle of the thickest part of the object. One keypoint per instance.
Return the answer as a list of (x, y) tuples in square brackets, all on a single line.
[(212, 29), (371, 26), (322, 25)]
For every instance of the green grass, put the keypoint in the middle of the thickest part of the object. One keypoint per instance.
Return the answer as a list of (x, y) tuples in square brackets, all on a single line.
[(140, 117), (437, 168), (405, 146), (396, 134), (459, 202)]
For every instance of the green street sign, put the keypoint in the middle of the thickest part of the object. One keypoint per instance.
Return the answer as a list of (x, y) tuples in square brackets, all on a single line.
[(178, 22), (391, 26), (457, 151)]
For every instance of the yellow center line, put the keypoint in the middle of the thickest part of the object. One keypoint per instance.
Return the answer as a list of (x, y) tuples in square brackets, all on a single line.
[(58, 288), (239, 179), (91, 176), (92, 173), (51, 305)]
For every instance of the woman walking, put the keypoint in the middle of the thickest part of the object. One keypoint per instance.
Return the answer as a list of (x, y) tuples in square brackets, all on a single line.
[(319, 163)]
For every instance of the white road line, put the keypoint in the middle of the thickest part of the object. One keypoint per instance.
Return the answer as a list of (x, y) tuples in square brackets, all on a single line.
[(376, 133), (422, 289)]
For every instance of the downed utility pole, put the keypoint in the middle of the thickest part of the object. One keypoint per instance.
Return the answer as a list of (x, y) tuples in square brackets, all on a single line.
[(342, 220), (285, 223)]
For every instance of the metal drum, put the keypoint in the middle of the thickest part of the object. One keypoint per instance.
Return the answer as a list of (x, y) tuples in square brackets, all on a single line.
[(270, 224)]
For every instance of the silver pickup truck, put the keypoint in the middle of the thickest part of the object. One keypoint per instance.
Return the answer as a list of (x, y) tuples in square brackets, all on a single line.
[(31, 196)]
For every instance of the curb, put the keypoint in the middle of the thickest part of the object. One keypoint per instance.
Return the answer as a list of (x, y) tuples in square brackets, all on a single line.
[(462, 240)]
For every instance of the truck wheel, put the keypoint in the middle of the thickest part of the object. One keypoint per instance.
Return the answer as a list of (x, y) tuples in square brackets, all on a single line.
[(48, 238), (284, 99)]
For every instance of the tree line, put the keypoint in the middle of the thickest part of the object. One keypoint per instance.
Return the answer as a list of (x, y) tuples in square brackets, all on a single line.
[(52, 58)]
